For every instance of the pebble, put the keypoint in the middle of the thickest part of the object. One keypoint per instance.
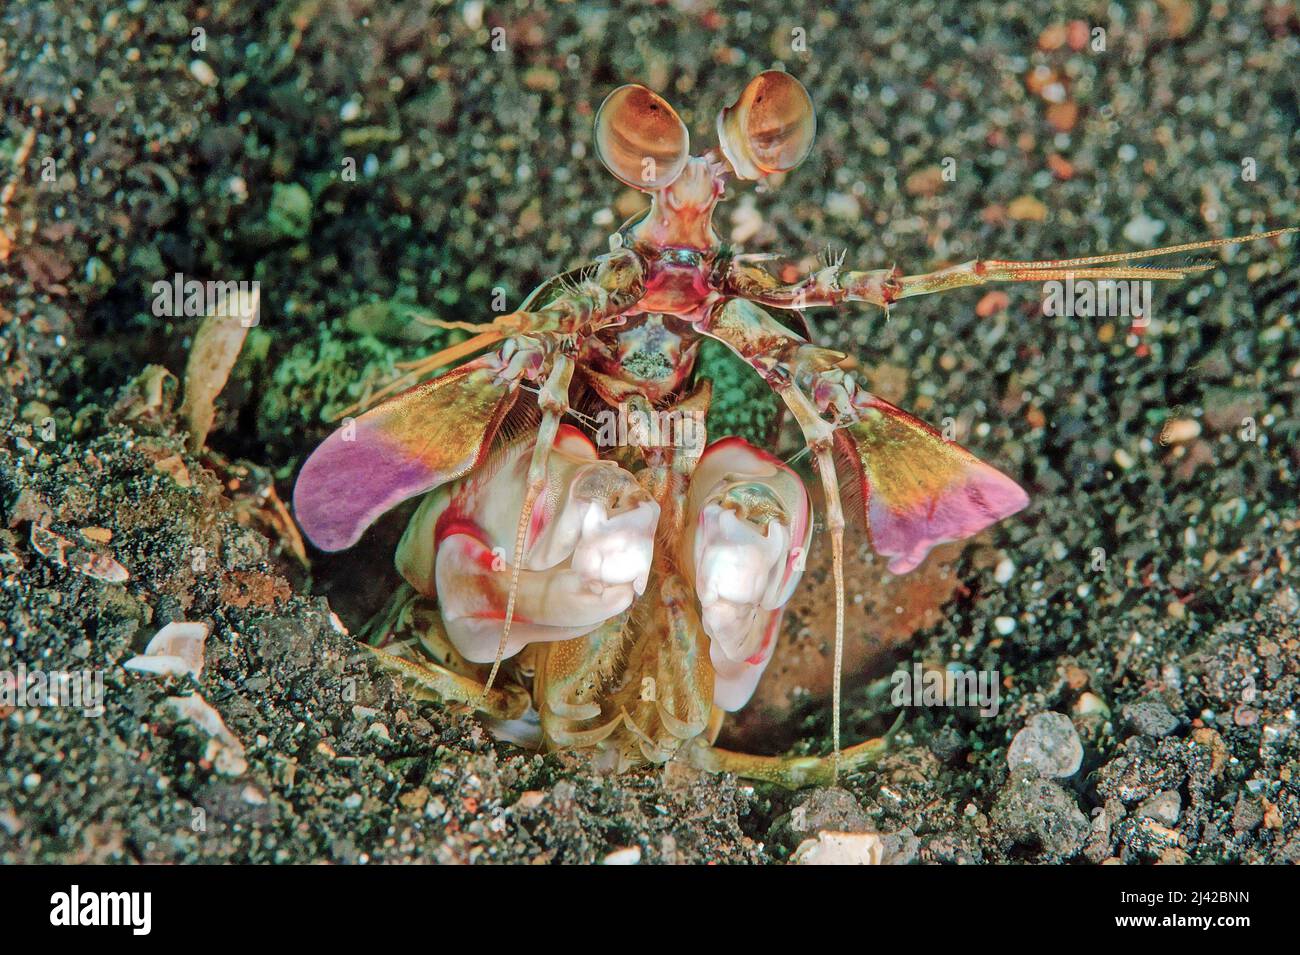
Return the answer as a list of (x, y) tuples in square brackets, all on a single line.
[(204, 73), (1142, 230), (1049, 743), (1004, 571), (1089, 705), (831, 809), (1162, 807), (1027, 208), (628, 856), (1034, 811), (842, 206), (1247, 815), (841, 848), (1004, 625), (1180, 431), (1150, 718)]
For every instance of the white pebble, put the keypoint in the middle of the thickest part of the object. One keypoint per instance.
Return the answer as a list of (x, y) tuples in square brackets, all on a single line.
[(204, 73), (1143, 230), (841, 848), (629, 856), (1004, 625), (1049, 743), (1004, 571)]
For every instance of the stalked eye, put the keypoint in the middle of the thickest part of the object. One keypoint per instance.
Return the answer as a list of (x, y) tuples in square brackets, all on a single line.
[(770, 128), (641, 139)]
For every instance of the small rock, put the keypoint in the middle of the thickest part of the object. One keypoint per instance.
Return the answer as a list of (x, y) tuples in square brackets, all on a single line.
[(924, 182), (1038, 811), (1142, 230), (1027, 208), (1180, 431), (1208, 739), (1150, 718), (990, 304), (1049, 743), (833, 810), (414, 799), (1158, 836), (202, 72), (947, 744), (291, 211), (531, 799), (224, 749), (1163, 807), (1248, 815), (841, 848), (1090, 706), (628, 856), (843, 206), (1004, 571)]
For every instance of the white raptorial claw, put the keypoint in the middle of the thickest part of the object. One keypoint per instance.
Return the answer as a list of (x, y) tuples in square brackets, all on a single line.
[(738, 567), (587, 553), (748, 527), (618, 549)]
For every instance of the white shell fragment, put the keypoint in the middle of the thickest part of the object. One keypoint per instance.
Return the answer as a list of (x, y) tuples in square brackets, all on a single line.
[(66, 553), (175, 650), (216, 347), (225, 751), (841, 848)]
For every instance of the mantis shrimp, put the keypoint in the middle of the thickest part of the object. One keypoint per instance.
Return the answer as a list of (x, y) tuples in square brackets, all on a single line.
[(627, 596)]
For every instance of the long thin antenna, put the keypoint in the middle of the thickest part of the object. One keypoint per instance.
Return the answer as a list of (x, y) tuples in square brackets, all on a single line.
[(835, 524)]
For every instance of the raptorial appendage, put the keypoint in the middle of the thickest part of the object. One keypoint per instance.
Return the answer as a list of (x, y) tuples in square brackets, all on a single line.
[(748, 527), (587, 553)]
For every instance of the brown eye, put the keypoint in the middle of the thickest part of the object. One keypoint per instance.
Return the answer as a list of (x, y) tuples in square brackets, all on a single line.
[(770, 128), (640, 138)]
